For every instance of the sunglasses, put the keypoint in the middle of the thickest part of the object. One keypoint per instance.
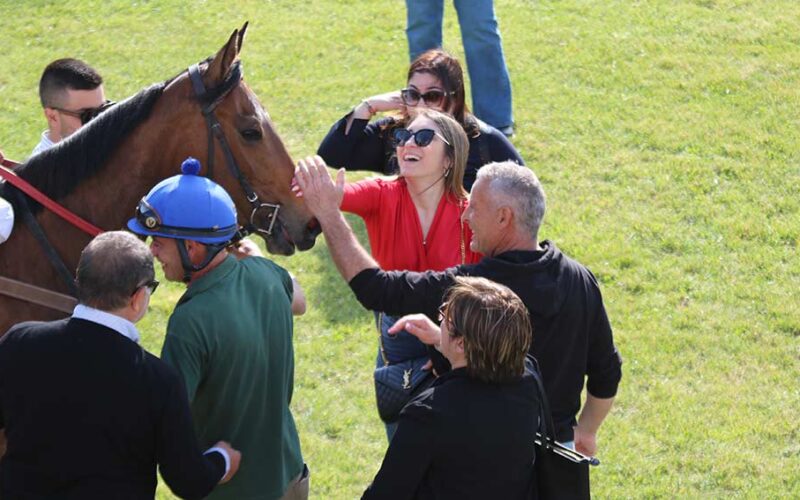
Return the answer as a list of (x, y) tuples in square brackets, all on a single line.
[(88, 114), (151, 286), (411, 97), (422, 137)]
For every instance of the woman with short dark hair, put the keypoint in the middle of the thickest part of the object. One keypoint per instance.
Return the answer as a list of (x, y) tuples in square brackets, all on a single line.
[(471, 434)]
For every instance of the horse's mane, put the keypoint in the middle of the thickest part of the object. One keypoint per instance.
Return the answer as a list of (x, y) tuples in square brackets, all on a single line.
[(57, 171)]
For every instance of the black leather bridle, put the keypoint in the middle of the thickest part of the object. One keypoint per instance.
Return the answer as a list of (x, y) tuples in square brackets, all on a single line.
[(209, 99)]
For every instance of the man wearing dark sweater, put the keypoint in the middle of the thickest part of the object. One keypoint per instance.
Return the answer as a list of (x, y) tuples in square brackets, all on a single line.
[(87, 412), (572, 338)]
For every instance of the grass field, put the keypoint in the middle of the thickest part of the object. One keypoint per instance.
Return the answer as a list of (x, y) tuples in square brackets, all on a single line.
[(666, 134)]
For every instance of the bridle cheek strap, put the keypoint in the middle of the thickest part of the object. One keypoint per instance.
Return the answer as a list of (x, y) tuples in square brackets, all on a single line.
[(209, 99)]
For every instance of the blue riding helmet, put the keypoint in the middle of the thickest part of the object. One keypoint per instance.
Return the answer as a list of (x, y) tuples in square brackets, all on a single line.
[(187, 207)]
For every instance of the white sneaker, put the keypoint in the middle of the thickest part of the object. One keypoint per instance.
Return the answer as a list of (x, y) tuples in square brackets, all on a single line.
[(507, 131)]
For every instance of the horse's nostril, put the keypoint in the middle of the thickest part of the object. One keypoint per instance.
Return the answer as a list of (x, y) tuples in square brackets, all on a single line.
[(313, 227)]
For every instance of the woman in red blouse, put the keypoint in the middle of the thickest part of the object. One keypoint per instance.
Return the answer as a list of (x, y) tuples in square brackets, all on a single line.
[(414, 220)]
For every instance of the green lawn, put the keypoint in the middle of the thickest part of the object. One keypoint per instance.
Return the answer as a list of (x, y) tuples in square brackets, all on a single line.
[(666, 136)]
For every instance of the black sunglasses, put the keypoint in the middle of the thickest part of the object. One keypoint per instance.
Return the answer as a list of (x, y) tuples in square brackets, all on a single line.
[(422, 137), (88, 114), (151, 285), (411, 97)]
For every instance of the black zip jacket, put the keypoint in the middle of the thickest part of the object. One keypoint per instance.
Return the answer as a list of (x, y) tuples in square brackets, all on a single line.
[(572, 337)]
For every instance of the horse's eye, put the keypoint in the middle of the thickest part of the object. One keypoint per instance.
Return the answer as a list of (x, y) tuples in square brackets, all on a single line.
[(251, 134)]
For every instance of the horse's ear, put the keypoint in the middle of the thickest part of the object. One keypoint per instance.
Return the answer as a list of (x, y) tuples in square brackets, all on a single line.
[(242, 31), (219, 66)]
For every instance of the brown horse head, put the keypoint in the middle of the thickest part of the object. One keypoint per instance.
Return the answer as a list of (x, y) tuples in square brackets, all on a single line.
[(258, 171), (104, 169)]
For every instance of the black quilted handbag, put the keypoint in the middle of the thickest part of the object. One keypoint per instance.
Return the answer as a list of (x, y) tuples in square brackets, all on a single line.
[(396, 384)]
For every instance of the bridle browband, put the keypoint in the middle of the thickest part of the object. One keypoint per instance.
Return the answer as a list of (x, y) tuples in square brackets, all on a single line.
[(209, 99)]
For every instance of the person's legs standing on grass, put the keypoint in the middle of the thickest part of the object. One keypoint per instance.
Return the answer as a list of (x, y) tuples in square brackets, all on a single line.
[(423, 25), (488, 75)]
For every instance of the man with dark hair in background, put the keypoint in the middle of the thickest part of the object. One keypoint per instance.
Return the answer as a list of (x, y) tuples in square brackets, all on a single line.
[(87, 412), (71, 93)]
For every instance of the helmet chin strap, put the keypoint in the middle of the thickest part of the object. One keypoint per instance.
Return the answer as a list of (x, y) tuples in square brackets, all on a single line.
[(188, 267)]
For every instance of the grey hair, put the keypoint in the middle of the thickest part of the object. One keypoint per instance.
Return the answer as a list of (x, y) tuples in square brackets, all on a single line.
[(519, 187), (111, 268)]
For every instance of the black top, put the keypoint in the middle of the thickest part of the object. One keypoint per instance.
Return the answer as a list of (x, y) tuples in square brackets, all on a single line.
[(462, 439), (368, 146), (88, 414), (571, 334)]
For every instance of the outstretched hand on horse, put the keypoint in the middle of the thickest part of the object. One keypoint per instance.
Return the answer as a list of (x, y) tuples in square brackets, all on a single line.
[(314, 184)]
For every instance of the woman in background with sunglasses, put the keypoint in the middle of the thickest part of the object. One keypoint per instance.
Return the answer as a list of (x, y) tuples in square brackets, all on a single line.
[(414, 221), (435, 81)]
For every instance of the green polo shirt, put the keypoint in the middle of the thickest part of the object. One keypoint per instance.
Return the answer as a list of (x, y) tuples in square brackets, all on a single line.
[(230, 337)]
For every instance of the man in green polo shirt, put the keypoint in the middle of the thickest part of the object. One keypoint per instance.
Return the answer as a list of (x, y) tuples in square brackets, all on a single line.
[(230, 335)]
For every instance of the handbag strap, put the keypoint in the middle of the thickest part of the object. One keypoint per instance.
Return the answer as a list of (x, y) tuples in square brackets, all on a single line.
[(463, 244), (546, 424), (379, 325), (546, 427)]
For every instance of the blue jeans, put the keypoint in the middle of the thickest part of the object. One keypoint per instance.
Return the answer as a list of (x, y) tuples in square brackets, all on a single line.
[(491, 87)]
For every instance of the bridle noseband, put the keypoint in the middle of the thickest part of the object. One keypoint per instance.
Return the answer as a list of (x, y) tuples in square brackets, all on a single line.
[(209, 99)]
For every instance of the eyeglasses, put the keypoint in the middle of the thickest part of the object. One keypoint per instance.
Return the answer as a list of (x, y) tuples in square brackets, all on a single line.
[(422, 137), (151, 286), (444, 317), (147, 216), (443, 312), (411, 97), (88, 114)]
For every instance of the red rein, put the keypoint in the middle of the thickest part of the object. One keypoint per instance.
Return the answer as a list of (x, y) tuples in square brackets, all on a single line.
[(23, 185)]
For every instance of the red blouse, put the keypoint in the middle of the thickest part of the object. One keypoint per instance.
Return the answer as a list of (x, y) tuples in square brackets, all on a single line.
[(395, 233)]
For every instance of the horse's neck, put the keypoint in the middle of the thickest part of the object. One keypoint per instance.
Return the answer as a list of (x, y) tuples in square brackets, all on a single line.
[(108, 199)]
